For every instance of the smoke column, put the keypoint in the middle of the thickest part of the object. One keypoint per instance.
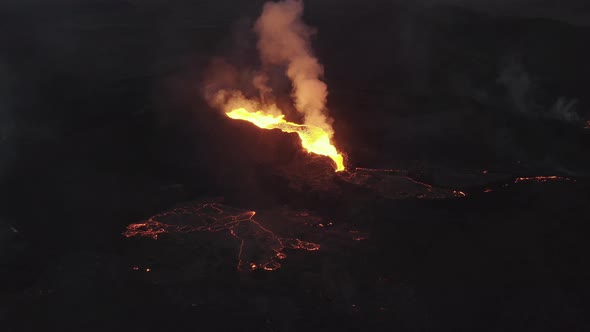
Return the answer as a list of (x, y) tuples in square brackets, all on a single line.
[(283, 39), (283, 45)]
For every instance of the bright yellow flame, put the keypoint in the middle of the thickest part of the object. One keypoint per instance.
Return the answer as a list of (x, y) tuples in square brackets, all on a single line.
[(313, 139)]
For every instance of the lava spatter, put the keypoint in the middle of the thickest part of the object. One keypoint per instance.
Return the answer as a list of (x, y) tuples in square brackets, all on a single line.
[(259, 248)]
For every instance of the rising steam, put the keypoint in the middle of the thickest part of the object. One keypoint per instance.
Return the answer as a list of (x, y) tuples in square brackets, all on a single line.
[(283, 39), (283, 42)]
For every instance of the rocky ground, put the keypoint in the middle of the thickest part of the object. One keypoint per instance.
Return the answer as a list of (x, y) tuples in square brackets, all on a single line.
[(395, 257)]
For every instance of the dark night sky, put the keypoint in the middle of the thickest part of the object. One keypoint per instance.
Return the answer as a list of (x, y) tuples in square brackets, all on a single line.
[(572, 11)]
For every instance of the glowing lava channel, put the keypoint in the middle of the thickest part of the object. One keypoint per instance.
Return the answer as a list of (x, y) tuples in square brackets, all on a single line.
[(541, 179), (313, 139), (260, 248)]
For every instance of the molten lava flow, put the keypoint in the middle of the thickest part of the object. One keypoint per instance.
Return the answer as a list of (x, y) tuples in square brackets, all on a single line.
[(284, 43), (313, 139), (397, 184), (541, 179), (259, 248)]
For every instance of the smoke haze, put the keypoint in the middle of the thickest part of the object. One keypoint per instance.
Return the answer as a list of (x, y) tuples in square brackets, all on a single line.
[(284, 44)]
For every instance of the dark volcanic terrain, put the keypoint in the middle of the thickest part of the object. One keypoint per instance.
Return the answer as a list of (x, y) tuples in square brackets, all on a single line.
[(447, 118)]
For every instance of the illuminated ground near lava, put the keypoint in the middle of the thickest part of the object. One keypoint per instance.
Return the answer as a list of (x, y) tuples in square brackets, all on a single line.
[(260, 248), (396, 184), (541, 179)]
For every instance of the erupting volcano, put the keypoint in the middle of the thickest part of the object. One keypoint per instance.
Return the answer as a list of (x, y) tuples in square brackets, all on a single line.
[(284, 42)]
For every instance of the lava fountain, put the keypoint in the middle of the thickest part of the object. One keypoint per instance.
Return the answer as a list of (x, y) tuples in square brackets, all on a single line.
[(313, 139)]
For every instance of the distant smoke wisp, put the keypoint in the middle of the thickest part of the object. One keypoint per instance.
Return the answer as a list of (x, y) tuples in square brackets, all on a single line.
[(518, 84), (521, 94)]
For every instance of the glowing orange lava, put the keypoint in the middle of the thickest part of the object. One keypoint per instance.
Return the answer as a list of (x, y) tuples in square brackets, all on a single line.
[(541, 179), (259, 248), (313, 139), (397, 184)]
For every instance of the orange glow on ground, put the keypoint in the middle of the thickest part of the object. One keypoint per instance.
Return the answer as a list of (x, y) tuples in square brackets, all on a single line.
[(215, 217)]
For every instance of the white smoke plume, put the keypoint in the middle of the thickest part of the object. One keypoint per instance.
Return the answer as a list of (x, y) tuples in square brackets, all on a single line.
[(260, 82), (284, 43), (284, 40)]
